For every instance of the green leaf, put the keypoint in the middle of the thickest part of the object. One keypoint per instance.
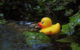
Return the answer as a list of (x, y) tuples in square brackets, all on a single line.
[(75, 46), (75, 18), (59, 8), (3, 21), (69, 28), (1, 3), (63, 40), (34, 38), (68, 12), (54, 1)]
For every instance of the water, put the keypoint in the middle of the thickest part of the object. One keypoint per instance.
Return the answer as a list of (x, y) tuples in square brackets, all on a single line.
[(12, 39)]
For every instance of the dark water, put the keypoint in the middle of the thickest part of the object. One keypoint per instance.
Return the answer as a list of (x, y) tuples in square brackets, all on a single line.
[(11, 38)]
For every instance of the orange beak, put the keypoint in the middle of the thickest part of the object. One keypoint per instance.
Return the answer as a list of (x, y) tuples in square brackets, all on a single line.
[(39, 23)]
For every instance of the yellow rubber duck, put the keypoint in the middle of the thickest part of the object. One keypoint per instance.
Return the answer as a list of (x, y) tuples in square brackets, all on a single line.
[(47, 27)]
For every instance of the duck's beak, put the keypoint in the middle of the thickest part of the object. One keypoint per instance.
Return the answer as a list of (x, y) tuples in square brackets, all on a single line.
[(39, 23)]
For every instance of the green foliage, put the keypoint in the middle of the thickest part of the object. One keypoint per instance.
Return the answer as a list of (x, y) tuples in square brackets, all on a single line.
[(47, 6), (69, 29), (75, 46), (39, 8), (74, 21), (1, 3), (3, 21), (34, 38), (36, 8), (64, 40), (68, 12)]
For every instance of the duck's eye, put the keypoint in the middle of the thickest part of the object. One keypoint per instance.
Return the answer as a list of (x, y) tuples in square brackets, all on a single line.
[(42, 22)]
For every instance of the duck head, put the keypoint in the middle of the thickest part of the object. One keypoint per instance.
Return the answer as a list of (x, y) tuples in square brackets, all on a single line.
[(45, 22)]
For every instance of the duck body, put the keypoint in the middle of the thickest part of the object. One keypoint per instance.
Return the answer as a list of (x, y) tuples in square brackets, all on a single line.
[(54, 29), (49, 29)]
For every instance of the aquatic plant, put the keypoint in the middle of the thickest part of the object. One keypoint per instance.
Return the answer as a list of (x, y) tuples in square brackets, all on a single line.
[(2, 21), (64, 11), (74, 21), (35, 38), (70, 31)]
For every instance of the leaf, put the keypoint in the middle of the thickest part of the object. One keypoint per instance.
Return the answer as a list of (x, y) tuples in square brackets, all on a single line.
[(75, 18), (63, 40), (69, 28), (1, 3), (59, 8), (34, 38), (79, 7), (2, 21), (75, 46), (68, 12)]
